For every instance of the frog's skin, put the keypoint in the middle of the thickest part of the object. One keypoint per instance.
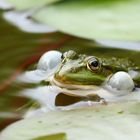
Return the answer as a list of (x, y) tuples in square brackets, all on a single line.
[(83, 71), (92, 79)]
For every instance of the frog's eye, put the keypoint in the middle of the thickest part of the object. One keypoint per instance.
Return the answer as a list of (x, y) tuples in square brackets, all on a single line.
[(93, 64)]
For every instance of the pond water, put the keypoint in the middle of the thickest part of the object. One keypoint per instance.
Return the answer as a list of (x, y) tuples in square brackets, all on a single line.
[(20, 51)]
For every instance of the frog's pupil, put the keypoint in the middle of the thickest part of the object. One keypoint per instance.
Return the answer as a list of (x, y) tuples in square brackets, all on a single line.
[(94, 63)]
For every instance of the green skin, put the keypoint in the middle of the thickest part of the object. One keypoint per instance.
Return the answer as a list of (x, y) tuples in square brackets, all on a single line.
[(74, 69)]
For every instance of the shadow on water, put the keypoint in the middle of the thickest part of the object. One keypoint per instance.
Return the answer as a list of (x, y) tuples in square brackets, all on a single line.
[(20, 51)]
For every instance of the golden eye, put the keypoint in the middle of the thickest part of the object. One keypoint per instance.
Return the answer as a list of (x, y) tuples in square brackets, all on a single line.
[(93, 64)]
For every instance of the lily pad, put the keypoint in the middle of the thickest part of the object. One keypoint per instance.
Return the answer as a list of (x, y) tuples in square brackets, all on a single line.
[(96, 19), (25, 4), (112, 122)]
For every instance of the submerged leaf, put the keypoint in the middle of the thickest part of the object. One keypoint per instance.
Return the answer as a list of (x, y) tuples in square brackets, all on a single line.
[(96, 19)]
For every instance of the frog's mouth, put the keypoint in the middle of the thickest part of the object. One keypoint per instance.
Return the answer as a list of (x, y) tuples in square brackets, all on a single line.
[(87, 92), (79, 80), (71, 85)]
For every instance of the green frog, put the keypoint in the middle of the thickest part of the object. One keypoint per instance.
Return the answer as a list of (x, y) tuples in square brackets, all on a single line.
[(80, 79), (87, 71)]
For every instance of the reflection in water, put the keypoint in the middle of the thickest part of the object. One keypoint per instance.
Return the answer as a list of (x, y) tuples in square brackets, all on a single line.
[(54, 98)]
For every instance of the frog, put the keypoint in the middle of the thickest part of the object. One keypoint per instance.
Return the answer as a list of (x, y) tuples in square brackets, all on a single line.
[(84, 79), (88, 71)]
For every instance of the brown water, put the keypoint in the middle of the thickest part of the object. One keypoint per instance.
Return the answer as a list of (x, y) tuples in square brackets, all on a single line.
[(20, 51)]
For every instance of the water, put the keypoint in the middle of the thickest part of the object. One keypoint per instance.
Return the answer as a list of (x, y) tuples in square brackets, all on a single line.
[(20, 51)]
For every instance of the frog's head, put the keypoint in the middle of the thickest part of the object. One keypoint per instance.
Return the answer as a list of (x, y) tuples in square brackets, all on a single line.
[(79, 70)]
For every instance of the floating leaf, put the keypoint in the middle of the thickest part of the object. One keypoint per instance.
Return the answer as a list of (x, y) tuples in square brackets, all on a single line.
[(112, 122), (96, 19), (25, 4)]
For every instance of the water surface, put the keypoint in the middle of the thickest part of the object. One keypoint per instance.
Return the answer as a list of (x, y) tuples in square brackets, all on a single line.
[(20, 51)]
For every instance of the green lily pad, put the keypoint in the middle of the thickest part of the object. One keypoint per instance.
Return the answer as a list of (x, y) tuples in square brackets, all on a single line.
[(112, 122), (95, 19), (25, 4)]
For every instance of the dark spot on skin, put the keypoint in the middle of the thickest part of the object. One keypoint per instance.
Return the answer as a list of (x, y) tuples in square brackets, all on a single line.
[(39, 121), (121, 112), (56, 124)]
